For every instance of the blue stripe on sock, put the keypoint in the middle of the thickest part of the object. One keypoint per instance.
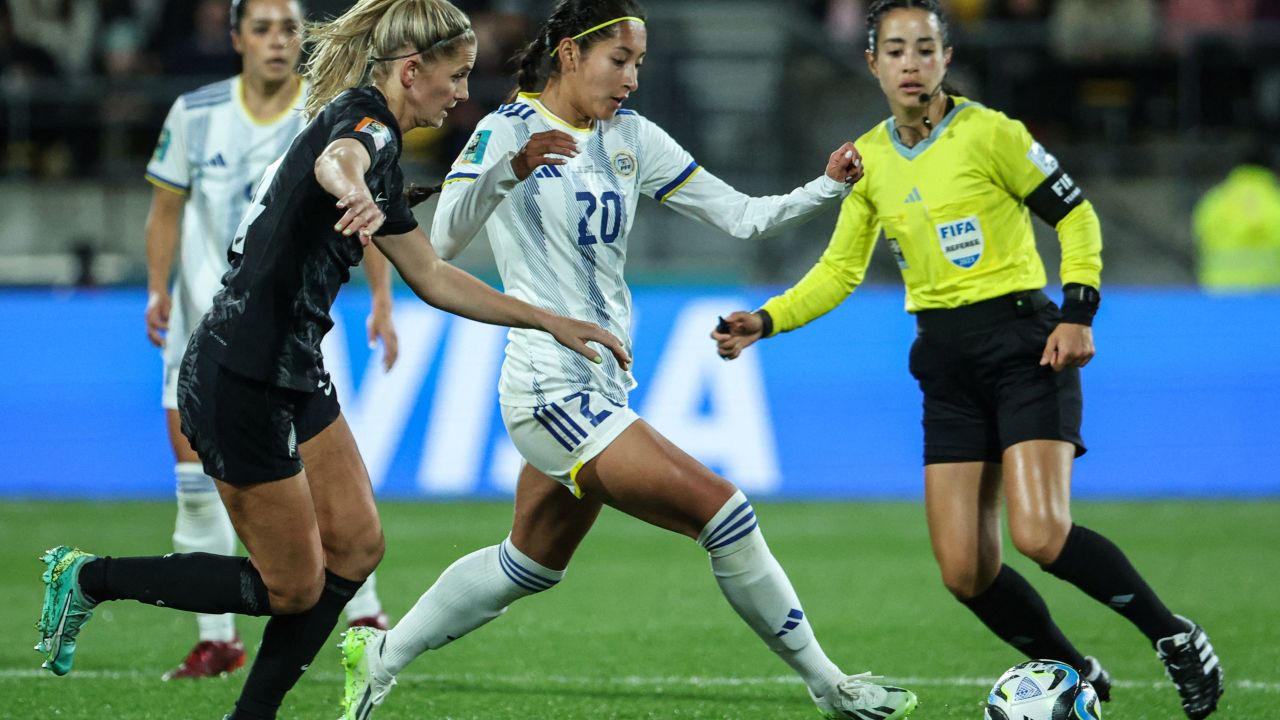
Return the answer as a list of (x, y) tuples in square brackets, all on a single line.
[(737, 537), (796, 613), (502, 561), (746, 505), (750, 517), (528, 576)]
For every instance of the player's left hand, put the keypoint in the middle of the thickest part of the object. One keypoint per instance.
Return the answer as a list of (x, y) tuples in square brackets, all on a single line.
[(845, 164), (1070, 345), (363, 217), (382, 327)]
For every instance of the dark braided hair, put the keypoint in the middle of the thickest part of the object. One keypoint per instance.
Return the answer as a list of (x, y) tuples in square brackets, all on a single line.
[(569, 18), (880, 8)]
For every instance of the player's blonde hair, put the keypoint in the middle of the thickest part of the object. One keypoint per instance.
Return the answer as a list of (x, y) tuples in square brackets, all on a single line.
[(359, 45)]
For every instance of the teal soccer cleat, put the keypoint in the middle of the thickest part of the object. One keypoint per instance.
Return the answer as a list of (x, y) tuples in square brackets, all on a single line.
[(65, 608)]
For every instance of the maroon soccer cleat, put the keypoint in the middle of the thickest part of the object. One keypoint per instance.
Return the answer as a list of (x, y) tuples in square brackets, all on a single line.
[(379, 621), (209, 658)]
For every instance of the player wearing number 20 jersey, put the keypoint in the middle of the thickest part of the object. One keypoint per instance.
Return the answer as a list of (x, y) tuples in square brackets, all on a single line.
[(560, 236)]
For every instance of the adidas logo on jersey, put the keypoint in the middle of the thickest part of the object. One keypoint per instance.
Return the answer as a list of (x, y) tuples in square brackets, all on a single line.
[(216, 161), (914, 196), (548, 171)]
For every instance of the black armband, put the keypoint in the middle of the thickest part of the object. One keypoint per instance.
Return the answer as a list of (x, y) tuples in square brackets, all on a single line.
[(1079, 303), (1054, 198), (766, 321)]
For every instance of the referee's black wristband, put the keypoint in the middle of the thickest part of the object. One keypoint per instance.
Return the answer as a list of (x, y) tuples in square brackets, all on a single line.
[(1079, 303), (766, 321)]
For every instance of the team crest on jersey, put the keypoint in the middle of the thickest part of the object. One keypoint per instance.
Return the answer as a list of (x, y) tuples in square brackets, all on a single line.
[(962, 241), (624, 163), (380, 133), (474, 151), (1042, 159)]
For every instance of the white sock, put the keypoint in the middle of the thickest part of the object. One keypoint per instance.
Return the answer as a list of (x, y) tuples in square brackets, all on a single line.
[(469, 593), (365, 602), (203, 526), (756, 586)]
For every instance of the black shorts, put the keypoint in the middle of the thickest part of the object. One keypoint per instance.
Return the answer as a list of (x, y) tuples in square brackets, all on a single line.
[(247, 431), (984, 388)]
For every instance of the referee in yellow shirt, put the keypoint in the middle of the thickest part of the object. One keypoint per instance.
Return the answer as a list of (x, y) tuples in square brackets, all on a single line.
[(952, 184)]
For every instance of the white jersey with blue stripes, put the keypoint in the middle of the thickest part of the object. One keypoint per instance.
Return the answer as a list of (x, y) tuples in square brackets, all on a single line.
[(560, 236), (213, 151)]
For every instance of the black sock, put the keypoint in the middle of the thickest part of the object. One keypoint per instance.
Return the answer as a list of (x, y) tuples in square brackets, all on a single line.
[(1099, 568), (1016, 613), (289, 644), (197, 582)]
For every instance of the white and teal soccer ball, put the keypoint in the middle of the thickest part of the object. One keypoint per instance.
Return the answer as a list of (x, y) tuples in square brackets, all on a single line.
[(1042, 690)]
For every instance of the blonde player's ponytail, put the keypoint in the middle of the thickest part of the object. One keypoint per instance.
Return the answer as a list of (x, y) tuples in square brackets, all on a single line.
[(360, 44)]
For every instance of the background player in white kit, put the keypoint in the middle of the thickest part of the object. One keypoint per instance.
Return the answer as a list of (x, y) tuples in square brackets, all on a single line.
[(554, 178), (216, 143)]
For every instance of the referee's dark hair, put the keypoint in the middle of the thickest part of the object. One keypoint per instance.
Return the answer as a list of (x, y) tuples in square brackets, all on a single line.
[(879, 8)]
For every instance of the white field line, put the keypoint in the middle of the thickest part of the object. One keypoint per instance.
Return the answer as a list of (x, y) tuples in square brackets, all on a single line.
[(629, 680)]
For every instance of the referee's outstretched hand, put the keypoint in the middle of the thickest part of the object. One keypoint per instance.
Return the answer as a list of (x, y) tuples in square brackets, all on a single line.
[(575, 334), (552, 147), (734, 333), (1070, 345), (845, 164)]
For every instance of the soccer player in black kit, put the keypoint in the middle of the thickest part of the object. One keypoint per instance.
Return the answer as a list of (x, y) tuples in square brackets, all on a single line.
[(254, 397)]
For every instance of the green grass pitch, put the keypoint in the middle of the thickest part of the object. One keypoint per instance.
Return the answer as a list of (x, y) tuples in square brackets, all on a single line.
[(639, 630)]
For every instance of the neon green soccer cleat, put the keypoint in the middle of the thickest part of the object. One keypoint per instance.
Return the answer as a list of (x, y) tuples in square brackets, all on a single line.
[(365, 688), (65, 608)]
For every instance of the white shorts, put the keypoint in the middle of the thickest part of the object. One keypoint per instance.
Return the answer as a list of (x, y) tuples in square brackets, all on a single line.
[(175, 346), (560, 437)]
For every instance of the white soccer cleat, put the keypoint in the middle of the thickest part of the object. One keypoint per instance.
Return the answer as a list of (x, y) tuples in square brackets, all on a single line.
[(365, 688), (857, 697)]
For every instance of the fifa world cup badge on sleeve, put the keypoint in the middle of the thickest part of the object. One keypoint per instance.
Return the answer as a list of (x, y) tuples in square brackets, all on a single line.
[(1042, 159), (380, 133), (474, 151), (962, 241)]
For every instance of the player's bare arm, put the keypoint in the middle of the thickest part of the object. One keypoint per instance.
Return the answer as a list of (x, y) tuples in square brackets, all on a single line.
[(340, 171), (163, 221), (379, 324)]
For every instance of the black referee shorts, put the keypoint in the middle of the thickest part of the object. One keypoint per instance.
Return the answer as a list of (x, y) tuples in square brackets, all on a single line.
[(984, 388), (247, 431)]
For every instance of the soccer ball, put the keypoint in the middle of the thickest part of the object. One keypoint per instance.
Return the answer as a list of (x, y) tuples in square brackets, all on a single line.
[(1042, 690)]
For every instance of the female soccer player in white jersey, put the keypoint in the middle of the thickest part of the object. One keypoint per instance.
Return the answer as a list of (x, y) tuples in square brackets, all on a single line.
[(554, 177), (253, 395), (950, 183), (214, 147)]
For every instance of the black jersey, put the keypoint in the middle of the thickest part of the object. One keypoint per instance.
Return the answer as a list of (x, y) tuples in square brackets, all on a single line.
[(287, 261)]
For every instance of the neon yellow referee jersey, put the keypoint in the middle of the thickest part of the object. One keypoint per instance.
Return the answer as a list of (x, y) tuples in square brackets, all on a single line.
[(955, 212)]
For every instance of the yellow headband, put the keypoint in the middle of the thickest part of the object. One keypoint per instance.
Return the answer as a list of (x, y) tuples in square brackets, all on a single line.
[(601, 26)]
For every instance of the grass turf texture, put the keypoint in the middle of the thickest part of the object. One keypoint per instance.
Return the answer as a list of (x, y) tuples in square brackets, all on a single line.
[(639, 630)]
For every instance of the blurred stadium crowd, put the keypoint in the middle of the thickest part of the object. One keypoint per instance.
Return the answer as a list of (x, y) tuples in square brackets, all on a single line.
[(1148, 103)]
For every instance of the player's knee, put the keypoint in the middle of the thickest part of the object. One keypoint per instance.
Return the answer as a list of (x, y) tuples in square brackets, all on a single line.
[(1040, 538), (295, 595), (962, 580)]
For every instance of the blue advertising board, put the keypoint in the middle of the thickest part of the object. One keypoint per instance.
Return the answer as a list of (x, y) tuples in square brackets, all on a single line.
[(1180, 400)]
